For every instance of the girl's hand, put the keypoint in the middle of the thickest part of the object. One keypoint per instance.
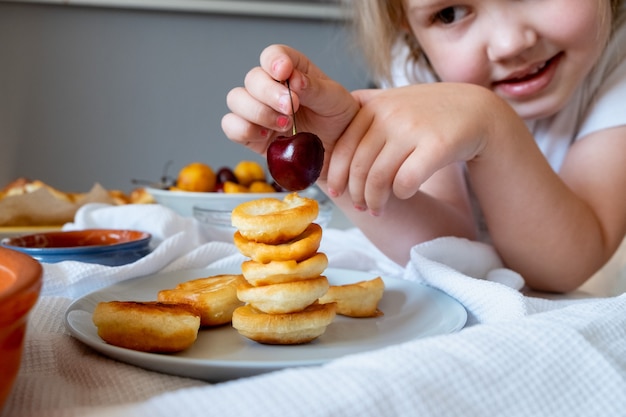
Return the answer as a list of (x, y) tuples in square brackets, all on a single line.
[(261, 109), (402, 136)]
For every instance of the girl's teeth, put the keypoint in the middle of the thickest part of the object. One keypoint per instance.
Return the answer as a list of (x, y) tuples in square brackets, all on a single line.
[(536, 70)]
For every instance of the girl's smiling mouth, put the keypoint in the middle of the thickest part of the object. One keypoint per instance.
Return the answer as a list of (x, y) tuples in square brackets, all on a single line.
[(528, 82)]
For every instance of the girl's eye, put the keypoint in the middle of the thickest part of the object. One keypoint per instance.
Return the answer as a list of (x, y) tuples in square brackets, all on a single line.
[(450, 15)]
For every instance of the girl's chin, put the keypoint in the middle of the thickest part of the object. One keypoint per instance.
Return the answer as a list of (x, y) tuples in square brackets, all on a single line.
[(539, 109)]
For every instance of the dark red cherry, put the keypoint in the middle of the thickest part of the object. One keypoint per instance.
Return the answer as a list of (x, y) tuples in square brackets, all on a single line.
[(277, 187), (295, 162), (225, 174)]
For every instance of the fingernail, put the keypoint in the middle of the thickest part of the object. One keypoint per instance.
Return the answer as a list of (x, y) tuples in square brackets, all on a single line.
[(360, 207), (333, 193), (265, 132), (282, 121), (305, 82), (277, 64), (284, 103)]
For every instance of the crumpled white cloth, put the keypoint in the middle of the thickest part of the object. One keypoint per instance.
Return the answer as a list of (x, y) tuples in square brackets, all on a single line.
[(520, 356), (473, 273)]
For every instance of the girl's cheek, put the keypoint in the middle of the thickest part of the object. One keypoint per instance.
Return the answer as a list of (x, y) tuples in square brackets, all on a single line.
[(462, 69)]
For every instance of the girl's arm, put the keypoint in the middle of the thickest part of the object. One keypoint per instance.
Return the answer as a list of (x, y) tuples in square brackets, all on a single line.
[(556, 230), (397, 159)]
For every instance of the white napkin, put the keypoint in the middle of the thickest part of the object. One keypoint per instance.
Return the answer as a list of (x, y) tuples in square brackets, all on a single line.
[(473, 273), (497, 368)]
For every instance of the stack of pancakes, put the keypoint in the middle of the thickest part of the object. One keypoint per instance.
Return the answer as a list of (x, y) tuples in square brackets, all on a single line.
[(283, 277)]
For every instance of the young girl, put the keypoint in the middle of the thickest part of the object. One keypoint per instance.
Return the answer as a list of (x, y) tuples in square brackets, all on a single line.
[(514, 104)]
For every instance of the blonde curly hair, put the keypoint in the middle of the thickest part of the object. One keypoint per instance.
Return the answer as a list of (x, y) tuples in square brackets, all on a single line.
[(379, 26)]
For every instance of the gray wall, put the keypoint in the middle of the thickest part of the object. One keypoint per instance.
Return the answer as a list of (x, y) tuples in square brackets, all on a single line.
[(107, 95)]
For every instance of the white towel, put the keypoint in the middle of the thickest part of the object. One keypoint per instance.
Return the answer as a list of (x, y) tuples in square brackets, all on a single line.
[(473, 273), (569, 359), (569, 362)]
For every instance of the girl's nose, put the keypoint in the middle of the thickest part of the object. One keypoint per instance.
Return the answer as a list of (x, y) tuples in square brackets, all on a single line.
[(508, 39)]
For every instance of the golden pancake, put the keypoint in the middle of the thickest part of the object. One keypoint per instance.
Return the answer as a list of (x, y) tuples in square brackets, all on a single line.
[(288, 297), (274, 221), (356, 300), (301, 247), (284, 329), (215, 297), (277, 272), (147, 326)]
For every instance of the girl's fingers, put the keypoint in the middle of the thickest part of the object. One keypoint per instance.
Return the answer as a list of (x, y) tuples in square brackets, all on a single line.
[(262, 87), (382, 173), (241, 102), (410, 174), (343, 153), (280, 61), (309, 85), (241, 131), (364, 157)]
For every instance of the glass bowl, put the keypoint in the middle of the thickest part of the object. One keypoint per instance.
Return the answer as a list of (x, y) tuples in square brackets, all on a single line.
[(20, 284), (217, 221)]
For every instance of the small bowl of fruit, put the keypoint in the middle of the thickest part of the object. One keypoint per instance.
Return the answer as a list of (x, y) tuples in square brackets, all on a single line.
[(199, 185)]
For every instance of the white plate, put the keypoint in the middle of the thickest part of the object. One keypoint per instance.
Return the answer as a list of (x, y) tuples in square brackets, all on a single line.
[(410, 310)]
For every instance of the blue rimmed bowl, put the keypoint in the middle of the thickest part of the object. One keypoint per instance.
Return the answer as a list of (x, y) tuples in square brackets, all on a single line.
[(110, 247)]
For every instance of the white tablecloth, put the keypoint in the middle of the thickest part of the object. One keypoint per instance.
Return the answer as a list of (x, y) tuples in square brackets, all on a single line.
[(518, 356)]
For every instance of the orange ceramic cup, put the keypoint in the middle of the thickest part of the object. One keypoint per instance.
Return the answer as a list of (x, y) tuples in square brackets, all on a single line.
[(20, 284)]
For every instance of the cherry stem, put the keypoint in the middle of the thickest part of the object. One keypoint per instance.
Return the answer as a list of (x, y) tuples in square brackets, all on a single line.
[(293, 111)]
